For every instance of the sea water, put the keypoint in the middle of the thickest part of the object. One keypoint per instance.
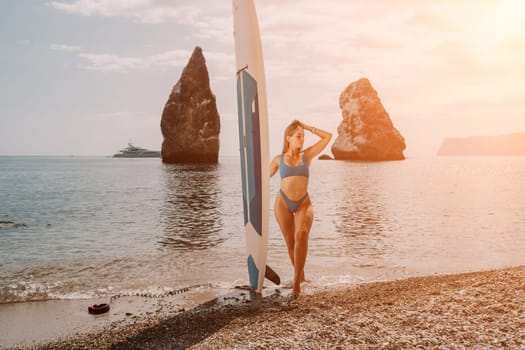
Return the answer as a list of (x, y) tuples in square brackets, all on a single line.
[(88, 227)]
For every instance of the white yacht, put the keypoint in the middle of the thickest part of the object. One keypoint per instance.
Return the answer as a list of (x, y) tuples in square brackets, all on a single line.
[(136, 152)]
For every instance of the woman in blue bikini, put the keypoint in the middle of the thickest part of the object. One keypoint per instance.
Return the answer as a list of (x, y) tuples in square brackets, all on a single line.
[(293, 208)]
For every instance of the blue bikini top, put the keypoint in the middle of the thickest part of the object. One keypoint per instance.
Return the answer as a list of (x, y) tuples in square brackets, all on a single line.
[(300, 170)]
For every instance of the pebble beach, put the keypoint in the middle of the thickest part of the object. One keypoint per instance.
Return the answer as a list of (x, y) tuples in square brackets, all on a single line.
[(482, 310)]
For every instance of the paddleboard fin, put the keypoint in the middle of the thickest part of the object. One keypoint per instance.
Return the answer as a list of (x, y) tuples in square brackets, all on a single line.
[(271, 275)]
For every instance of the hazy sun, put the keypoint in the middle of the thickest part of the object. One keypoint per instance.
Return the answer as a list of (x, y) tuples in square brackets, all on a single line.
[(494, 23)]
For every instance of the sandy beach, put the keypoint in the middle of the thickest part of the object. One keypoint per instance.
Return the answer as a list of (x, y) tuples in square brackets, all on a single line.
[(472, 310)]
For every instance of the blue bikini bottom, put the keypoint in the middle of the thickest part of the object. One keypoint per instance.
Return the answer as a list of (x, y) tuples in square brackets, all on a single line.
[(293, 205)]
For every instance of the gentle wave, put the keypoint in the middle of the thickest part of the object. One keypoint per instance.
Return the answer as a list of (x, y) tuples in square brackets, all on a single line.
[(22, 292)]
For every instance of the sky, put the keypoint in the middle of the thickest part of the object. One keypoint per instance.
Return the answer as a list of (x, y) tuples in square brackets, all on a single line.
[(84, 77)]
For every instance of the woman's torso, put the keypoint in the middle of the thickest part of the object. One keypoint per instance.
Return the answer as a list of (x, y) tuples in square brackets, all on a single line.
[(295, 174)]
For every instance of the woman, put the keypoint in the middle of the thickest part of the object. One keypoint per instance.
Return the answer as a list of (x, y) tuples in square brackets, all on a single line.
[(293, 208)]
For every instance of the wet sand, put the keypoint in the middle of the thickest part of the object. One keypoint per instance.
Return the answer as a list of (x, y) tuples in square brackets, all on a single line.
[(471, 310)]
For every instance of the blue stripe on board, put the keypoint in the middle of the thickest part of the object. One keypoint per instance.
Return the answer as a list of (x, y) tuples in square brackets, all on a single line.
[(250, 134), (241, 147), (253, 272)]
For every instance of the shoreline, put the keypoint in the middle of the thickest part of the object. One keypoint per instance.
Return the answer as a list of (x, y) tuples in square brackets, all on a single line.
[(476, 309), (38, 324)]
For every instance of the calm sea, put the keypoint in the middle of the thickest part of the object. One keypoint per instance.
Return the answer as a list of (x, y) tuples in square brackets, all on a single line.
[(96, 227)]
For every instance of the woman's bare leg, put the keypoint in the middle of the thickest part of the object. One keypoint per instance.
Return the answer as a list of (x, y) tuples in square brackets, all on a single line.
[(285, 219), (303, 223)]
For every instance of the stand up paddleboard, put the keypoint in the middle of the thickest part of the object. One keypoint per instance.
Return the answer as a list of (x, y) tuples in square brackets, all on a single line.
[(253, 140)]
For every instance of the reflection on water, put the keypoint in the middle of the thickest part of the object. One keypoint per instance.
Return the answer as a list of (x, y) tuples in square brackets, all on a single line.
[(360, 212), (191, 214), (167, 224), (363, 220)]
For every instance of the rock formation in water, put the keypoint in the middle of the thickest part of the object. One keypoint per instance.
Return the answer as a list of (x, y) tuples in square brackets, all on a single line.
[(190, 122), (325, 157), (502, 145), (366, 132), (10, 224)]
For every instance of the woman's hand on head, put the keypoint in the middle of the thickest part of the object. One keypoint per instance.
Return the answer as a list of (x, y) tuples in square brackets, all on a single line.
[(306, 127)]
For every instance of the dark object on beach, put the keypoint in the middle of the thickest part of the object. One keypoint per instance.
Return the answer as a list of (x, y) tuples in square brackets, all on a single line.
[(271, 275), (97, 309)]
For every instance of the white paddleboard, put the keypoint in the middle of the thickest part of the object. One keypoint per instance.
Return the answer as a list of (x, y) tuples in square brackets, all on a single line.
[(253, 137)]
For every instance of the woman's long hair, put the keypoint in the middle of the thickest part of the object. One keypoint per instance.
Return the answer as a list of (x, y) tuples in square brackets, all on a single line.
[(290, 129)]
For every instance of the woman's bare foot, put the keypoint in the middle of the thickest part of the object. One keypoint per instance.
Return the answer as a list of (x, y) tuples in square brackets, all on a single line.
[(296, 290), (304, 279)]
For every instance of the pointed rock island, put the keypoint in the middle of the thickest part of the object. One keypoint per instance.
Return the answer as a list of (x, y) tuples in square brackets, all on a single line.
[(190, 121), (366, 132)]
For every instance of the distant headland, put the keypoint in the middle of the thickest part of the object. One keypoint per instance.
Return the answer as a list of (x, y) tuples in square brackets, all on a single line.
[(501, 145)]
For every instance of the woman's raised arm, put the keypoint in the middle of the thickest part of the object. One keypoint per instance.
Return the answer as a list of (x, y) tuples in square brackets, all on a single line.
[(314, 150)]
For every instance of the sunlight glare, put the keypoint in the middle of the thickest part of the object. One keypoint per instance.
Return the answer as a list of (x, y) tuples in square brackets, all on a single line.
[(492, 26)]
